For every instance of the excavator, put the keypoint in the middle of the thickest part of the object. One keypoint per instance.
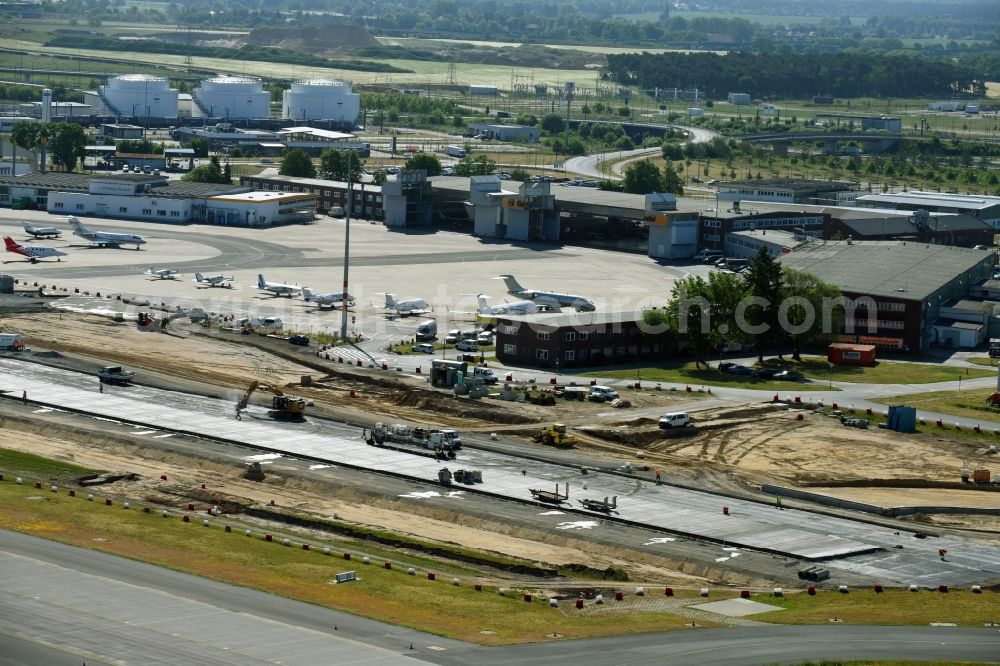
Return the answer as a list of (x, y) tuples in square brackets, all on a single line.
[(284, 406)]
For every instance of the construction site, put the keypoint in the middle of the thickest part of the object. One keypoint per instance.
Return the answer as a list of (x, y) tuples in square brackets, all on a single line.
[(533, 485)]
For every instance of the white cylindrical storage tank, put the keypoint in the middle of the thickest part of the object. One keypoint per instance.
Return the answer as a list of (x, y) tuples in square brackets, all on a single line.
[(321, 99), (141, 96), (46, 105), (232, 97)]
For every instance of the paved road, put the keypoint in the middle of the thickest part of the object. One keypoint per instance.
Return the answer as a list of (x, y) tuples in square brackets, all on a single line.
[(587, 165), (114, 610)]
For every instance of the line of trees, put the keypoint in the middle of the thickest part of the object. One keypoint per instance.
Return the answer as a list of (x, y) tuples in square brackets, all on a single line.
[(797, 75), (767, 308), (65, 142)]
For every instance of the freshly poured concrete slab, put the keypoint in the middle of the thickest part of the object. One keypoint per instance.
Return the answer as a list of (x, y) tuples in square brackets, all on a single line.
[(736, 607), (872, 549)]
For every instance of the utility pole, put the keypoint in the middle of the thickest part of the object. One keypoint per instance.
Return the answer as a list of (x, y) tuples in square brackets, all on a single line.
[(347, 246)]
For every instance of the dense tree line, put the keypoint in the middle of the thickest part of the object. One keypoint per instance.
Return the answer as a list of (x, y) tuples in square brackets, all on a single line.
[(795, 75)]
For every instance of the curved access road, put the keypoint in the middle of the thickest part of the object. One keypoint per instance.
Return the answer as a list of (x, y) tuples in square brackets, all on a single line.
[(587, 165), (71, 605)]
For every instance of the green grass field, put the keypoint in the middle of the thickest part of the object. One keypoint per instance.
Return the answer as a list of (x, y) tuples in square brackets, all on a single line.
[(687, 373), (967, 403)]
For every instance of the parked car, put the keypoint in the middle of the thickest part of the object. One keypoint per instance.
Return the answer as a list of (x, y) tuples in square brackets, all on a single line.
[(788, 376), (766, 373), (453, 336), (741, 370), (467, 346), (300, 340), (696, 179), (714, 181), (725, 365), (674, 420), (266, 160), (423, 348)]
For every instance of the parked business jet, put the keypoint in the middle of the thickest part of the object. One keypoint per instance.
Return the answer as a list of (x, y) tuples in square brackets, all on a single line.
[(162, 273), (214, 280), (406, 306), (33, 253), (42, 232), (513, 308), (277, 288), (548, 299), (105, 238), (334, 298)]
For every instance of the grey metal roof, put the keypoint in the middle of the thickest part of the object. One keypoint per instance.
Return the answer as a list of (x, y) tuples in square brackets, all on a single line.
[(982, 307), (181, 188), (316, 182), (933, 200), (81, 181), (875, 226), (894, 269)]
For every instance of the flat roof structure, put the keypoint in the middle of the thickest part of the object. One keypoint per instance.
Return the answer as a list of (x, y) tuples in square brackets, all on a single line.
[(272, 174), (794, 185), (78, 181), (561, 319), (894, 269), (319, 133), (932, 200), (248, 196)]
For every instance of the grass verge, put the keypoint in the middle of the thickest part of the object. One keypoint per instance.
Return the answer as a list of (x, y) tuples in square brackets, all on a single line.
[(687, 373), (386, 595), (970, 403)]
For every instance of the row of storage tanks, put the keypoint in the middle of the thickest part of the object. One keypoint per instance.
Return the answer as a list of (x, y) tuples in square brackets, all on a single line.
[(232, 97)]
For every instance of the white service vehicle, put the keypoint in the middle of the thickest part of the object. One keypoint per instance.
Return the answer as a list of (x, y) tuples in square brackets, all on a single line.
[(674, 420)]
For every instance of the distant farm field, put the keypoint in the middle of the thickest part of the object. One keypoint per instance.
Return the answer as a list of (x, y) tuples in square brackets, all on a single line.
[(423, 71), (416, 42)]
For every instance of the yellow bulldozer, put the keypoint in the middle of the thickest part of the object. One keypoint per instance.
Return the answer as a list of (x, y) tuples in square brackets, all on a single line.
[(555, 435), (285, 406)]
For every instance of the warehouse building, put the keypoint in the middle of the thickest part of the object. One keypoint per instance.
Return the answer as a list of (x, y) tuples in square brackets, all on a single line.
[(909, 286), (747, 244), (716, 226), (579, 339), (921, 226), (983, 207)]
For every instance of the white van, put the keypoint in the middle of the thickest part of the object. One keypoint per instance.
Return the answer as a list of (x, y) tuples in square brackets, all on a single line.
[(605, 392), (675, 420), (485, 374), (467, 346)]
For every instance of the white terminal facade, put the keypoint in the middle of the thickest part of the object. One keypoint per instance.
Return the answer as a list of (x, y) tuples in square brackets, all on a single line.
[(232, 98), (321, 99)]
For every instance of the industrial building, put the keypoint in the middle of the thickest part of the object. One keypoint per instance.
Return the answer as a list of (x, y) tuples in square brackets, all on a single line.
[(224, 134), (921, 226), (579, 339), (910, 286), (985, 208), (789, 190), (739, 99), (315, 141), (864, 123), (232, 98), (321, 99), (673, 234), (505, 132), (134, 96)]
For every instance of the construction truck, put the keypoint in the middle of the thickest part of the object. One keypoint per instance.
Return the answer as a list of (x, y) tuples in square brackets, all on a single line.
[(548, 496), (444, 443), (285, 406), (555, 435)]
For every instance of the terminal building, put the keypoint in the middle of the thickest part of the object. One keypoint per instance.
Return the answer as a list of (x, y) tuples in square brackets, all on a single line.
[(155, 199)]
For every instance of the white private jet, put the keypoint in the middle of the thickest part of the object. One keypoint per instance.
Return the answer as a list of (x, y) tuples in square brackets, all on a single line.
[(406, 306), (105, 238), (334, 298), (162, 273), (513, 307), (277, 288), (214, 280), (549, 299), (42, 232), (33, 253)]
